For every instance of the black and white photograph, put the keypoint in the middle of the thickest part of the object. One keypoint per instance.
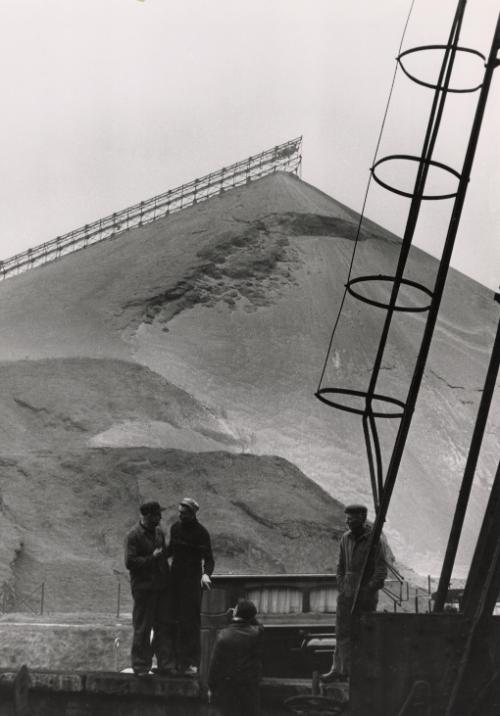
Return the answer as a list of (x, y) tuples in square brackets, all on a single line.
[(249, 358)]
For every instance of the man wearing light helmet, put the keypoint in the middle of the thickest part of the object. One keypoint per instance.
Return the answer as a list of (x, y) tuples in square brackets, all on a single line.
[(192, 565)]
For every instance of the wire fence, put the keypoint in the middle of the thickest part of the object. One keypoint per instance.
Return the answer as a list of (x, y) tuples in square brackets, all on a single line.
[(112, 596), (283, 157), (108, 596), (31, 603)]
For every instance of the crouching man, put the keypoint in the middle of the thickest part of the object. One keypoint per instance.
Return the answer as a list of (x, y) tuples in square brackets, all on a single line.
[(236, 665), (146, 559)]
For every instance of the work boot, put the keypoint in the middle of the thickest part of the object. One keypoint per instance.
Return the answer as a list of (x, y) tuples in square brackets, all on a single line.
[(164, 671)]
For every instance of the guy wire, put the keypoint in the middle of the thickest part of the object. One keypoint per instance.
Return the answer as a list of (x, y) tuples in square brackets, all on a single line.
[(361, 216)]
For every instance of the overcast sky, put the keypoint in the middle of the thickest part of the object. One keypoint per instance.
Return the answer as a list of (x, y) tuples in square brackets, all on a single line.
[(108, 102)]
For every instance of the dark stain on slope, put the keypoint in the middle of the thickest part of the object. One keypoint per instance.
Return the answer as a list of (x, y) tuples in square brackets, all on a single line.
[(314, 225), (255, 263)]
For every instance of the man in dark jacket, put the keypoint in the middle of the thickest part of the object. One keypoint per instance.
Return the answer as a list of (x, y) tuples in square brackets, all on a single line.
[(192, 566), (354, 546), (146, 559), (236, 664)]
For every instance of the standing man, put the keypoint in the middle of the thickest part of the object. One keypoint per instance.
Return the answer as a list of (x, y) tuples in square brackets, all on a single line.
[(236, 664), (192, 566), (354, 546), (146, 559)]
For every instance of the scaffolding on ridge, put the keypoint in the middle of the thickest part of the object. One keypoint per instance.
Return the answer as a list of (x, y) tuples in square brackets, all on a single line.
[(282, 157)]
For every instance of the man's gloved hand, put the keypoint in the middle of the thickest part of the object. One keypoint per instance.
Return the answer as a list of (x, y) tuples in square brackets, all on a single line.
[(157, 552), (206, 582)]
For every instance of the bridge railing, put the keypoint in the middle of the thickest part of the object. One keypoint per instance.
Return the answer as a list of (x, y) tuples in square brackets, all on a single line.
[(283, 157)]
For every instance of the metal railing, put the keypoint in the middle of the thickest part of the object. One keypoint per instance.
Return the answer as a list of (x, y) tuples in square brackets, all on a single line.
[(283, 157), (411, 597), (396, 587)]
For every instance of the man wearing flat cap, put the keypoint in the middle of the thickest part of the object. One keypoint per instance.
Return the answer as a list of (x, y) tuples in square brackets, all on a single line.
[(146, 560), (192, 565), (354, 546), (236, 664)]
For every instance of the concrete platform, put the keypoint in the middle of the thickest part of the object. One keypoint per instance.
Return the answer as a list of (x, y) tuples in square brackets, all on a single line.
[(59, 693)]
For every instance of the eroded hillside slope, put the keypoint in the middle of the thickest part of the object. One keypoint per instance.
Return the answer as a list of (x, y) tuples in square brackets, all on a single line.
[(73, 509)]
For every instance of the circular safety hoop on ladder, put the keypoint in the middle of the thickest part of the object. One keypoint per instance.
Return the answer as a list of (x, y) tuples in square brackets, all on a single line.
[(430, 48), (324, 394), (389, 279), (419, 160)]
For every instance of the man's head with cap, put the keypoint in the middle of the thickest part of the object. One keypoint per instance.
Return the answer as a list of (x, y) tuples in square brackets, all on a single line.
[(151, 507), (151, 512), (245, 610), (188, 509), (355, 516)]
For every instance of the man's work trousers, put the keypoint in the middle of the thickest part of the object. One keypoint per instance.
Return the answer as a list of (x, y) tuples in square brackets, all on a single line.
[(152, 613), (238, 698), (342, 657), (187, 606)]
